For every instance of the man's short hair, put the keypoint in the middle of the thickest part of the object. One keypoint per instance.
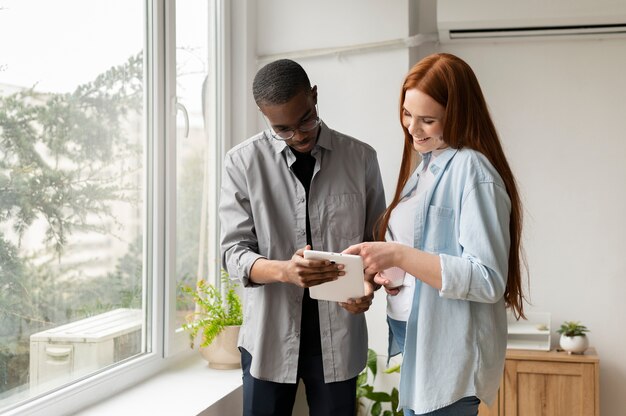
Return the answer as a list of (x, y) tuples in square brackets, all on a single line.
[(278, 82)]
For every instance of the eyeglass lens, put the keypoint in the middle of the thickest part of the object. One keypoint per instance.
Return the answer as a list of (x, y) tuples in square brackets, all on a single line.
[(304, 127)]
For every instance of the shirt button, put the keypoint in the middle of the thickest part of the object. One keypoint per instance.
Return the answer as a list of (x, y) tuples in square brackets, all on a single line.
[(301, 200), (302, 232)]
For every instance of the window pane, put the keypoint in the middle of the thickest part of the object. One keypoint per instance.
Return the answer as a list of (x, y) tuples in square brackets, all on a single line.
[(193, 170), (72, 193)]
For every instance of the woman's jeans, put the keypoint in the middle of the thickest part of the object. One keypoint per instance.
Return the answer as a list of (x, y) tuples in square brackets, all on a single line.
[(397, 334)]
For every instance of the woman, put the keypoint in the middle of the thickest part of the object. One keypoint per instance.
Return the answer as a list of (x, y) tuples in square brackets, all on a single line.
[(455, 222)]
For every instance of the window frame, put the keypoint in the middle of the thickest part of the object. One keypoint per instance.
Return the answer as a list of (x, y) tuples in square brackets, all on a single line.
[(166, 344), (176, 340)]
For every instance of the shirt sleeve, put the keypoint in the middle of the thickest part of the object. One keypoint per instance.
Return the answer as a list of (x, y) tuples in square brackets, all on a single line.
[(239, 242), (375, 197), (480, 273)]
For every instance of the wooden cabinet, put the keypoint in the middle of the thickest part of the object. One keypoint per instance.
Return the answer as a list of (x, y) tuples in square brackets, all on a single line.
[(540, 383)]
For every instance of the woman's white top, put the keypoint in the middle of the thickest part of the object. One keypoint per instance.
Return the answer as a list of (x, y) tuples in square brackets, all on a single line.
[(401, 226)]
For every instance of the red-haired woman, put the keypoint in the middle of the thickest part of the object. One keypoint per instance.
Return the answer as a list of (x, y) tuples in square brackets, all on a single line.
[(454, 228)]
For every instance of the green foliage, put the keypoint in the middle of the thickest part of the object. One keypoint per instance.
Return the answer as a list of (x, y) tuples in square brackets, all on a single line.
[(366, 390), (213, 311), (572, 329), (57, 153), (64, 160)]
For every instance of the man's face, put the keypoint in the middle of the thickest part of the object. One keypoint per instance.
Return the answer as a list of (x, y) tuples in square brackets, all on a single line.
[(293, 114)]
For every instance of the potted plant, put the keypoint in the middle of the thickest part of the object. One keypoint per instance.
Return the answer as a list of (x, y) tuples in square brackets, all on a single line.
[(364, 390), (573, 337), (217, 319)]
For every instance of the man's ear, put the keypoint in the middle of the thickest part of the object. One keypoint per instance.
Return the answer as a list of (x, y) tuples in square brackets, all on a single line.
[(314, 93)]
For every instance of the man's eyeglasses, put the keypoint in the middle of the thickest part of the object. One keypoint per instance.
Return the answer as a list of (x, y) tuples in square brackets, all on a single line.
[(286, 134)]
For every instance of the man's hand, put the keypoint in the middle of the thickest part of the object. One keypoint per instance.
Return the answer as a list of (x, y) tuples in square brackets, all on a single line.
[(307, 273), (362, 304)]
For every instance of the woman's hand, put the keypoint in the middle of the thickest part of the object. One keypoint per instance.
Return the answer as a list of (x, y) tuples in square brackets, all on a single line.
[(384, 282), (381, 255), (377, 255)]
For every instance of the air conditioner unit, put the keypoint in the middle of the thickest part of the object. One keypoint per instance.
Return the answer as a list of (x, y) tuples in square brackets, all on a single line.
[(460, 20), (67, 352)]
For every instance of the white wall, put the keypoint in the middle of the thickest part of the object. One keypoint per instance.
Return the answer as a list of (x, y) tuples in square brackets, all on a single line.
[(560, 110)]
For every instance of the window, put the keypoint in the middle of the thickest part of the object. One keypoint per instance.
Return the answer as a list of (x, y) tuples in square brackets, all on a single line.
[(194, 172), (93, 187)]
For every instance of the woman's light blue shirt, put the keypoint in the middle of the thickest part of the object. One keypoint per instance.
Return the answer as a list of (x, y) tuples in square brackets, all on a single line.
[(456, 336)]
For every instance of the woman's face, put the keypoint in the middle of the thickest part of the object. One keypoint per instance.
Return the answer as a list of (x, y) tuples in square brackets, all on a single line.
[(422, 116)]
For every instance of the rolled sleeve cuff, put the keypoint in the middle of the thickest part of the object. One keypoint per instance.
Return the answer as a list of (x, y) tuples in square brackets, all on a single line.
[(243, 265), (456, 276)]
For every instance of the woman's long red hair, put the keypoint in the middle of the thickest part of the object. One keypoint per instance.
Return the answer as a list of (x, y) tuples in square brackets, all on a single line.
[(467, 123)]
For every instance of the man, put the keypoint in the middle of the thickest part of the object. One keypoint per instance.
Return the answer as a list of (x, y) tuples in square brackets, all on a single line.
[(297, 185)]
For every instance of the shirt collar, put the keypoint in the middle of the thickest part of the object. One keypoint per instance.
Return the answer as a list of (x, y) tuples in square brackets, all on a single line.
[(325, 139), (436, 165), (439, 162)]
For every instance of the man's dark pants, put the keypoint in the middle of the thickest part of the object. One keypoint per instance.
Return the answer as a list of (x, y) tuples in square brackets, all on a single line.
[(266, 398)]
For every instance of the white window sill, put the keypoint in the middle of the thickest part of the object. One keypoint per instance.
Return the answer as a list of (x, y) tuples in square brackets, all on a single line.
[(188, 387)]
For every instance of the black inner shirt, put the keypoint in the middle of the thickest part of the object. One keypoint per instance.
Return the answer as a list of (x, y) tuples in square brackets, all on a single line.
[(310, 341)]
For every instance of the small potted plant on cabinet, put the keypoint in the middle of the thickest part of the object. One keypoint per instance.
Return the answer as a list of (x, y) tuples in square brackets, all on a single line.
[(573, 337), (217, 319)]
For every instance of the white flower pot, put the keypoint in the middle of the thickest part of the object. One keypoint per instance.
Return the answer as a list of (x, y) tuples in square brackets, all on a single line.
[(574, 345), (222, 353)]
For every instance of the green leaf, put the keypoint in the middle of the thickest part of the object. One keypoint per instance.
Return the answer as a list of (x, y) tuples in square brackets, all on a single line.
[(361, 379), (372, 362), (572, 329), (377, 396), (395, 401), (394, 398), (376, 409), (394, 369), (213, 312), (360, 392)]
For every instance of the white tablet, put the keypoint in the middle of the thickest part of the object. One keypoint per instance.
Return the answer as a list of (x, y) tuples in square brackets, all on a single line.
[(347, 286)]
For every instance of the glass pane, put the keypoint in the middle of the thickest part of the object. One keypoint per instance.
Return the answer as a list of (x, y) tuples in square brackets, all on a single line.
[(72, 174), (192, 18)]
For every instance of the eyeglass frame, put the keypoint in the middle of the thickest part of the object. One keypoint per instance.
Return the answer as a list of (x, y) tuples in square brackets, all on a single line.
[(275, 135)]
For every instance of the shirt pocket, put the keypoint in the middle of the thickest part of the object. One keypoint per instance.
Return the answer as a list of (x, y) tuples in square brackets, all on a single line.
[(440, 223), (344, 216)]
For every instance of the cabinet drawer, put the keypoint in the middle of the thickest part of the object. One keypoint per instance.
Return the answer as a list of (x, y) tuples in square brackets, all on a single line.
[(537, 388)]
